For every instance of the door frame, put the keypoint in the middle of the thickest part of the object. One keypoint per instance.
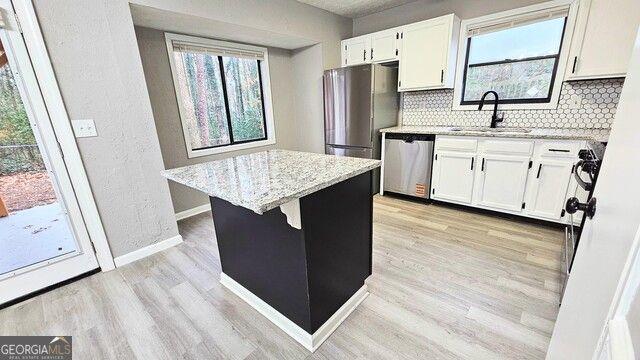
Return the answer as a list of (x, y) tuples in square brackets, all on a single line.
[(615, 335), (28, 22)]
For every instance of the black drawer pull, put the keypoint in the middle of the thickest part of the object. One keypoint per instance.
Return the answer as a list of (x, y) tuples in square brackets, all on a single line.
[(560, 150), (539, 168), (482, 167), (472, 163)]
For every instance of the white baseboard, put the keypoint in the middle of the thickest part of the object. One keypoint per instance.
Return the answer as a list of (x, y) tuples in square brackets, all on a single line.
[(193, 211), (147, 250), (309, 341)]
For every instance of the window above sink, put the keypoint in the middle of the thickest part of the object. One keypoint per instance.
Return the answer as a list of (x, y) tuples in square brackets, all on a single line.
[(525, 74)]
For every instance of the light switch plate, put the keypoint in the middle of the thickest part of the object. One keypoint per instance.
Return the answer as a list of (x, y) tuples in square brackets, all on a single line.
[(84, 128)]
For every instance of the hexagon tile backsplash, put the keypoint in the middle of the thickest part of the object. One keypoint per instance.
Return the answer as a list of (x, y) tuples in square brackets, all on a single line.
[(598, 107)]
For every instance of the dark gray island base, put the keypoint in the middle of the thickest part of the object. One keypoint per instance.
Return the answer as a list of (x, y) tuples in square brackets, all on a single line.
[(294, 232), (305, 274)]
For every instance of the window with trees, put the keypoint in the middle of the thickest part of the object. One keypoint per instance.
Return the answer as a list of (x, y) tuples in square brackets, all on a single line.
[(519, 54), (221, 89)]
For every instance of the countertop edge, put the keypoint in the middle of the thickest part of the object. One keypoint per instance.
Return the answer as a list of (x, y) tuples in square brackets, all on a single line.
[(446, 131), (314, 188), (274, 204)]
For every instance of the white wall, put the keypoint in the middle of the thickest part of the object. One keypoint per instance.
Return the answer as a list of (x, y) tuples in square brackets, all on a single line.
[(94, 53), (308, 105), (606, 240), (155, 62), (426, 9), (93, 48), (285, 17), (291, 20)]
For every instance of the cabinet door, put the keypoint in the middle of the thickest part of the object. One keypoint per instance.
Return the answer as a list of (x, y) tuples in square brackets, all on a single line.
[(356, 50), (501, 181), (384, 45), (604, 37), (423, 55), (548, 189), (452, 176)]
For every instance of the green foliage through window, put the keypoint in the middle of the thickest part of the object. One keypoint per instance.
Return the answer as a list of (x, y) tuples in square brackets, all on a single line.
[(18, 149), (221, 98)]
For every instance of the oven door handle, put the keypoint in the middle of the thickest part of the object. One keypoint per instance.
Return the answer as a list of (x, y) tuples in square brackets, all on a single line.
[(587, 186), (573, 204)]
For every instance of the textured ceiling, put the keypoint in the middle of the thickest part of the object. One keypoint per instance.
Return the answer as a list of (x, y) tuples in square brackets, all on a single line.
[(355, 8)]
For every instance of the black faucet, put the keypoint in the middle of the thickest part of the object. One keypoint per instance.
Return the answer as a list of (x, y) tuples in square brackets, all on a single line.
[(494, 118)]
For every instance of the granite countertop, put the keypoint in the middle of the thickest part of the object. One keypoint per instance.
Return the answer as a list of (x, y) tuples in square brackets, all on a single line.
[(599, 135), (265, 180)]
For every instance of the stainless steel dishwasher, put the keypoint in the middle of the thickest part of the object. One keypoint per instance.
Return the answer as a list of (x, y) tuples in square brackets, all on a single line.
[(408, 159)]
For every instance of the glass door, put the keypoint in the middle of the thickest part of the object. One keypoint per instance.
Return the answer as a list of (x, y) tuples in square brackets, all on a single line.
[(43, 237)]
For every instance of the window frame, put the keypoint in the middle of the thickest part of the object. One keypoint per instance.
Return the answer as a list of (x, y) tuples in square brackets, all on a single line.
[(265, 91), (551, 102)]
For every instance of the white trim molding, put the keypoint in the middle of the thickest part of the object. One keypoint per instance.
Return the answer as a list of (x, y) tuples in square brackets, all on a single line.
[(510, 15), (59, 118), (310, 341), (193, 212), (147, 251), (620, 341)]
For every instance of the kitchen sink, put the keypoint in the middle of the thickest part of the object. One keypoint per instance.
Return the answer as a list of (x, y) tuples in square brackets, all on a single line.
[(490, 130)]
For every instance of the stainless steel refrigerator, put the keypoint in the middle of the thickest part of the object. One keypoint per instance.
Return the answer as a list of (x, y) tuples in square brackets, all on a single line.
[(359, 101)]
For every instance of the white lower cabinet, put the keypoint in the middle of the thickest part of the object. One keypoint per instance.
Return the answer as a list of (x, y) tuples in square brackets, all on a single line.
[(548, 188), (525, 177), (501, 181), (453, 172)]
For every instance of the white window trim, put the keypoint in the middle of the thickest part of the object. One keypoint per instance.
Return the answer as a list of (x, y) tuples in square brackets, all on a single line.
[(572, 7), (266, 91)]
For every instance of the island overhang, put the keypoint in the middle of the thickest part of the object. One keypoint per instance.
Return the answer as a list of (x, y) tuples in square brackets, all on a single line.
[(265, 180)]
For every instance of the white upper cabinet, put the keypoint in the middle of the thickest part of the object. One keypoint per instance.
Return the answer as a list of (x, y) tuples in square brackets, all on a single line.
[(384, 45), (603, 39), (428, 54), (356, 51)]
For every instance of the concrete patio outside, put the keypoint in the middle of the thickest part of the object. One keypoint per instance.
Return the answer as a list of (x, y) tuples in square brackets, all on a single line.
[(34, 235)]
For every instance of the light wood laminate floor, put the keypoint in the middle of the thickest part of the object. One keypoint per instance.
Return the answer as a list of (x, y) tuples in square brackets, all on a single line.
[(446, 284)]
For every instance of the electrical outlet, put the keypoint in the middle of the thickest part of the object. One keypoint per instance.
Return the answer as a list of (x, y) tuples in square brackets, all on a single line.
[(84, 128), (575, 102)]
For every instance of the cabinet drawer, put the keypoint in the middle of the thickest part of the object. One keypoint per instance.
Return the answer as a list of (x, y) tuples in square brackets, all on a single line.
[(559, 149), (515, 147), (456, 144)]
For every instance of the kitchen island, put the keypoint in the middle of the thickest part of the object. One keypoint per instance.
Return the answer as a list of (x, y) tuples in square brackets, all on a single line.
[(294, 233)]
